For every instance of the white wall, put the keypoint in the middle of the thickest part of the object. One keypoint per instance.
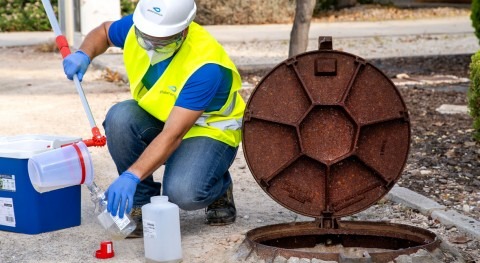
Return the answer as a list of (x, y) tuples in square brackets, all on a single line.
[(94, 12)]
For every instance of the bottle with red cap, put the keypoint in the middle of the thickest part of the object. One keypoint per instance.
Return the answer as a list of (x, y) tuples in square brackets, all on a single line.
[(118, 228)]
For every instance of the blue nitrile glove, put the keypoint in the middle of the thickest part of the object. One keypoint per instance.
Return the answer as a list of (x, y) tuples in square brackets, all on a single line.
[(121, 192), (76, 63)]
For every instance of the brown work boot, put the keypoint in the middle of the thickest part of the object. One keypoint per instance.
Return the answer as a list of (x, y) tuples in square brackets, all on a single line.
[(222, 211), (136, 215)]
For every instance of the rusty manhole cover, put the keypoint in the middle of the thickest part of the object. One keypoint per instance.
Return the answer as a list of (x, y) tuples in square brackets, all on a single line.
[(326, 133)]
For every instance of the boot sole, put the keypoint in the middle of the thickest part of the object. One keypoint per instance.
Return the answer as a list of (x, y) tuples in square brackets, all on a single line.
[(220, 222)]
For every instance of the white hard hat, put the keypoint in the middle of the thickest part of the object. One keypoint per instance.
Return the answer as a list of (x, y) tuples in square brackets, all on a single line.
[(162, 18)]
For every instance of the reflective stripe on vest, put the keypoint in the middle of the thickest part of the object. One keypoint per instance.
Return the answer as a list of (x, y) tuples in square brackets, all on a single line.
[(233, 124)]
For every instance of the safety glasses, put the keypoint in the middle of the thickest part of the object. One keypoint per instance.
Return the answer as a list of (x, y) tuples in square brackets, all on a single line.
[(159, 44)]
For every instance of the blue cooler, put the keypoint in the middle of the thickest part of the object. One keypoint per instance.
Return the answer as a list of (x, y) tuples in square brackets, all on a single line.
[(22, 208)]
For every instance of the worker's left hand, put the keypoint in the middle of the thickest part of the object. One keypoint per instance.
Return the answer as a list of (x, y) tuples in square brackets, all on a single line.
[(121, 192), (76, 63)]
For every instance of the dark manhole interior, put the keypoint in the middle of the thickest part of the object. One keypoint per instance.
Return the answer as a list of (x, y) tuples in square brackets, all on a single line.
[(345, 240), (326, 135)]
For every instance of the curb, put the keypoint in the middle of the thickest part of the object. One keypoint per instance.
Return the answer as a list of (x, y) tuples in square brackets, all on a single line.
[(428, 207)]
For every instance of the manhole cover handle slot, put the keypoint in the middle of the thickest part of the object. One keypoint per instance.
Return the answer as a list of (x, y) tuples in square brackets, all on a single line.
[(325, 43)]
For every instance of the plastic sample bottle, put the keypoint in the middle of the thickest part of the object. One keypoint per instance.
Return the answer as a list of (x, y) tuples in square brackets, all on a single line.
[(118, 228), (161, 231)]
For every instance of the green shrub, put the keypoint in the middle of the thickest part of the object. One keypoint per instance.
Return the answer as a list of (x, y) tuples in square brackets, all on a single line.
[(473, 94), (474, 91), (24, 15), (29, 15), (127, 6), (475, 17)]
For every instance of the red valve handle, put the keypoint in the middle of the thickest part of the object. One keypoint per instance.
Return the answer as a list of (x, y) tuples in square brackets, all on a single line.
[(97, 140)]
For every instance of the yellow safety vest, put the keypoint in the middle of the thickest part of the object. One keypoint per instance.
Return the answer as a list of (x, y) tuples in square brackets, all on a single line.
[(198, 49)]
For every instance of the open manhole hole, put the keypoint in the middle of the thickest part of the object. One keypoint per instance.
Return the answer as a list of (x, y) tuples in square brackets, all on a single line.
[(326, 135)]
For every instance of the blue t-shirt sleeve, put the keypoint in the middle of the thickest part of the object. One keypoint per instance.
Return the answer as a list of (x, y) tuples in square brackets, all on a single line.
[(207, 89), (118, 30)]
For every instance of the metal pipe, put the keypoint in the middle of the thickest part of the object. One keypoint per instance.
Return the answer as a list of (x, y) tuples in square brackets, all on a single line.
[(66, 17)]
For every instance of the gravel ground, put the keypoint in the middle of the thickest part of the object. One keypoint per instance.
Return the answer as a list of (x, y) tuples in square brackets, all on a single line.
[(443, 161)]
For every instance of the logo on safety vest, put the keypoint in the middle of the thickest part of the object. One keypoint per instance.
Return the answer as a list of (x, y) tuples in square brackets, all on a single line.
[(172, 88)]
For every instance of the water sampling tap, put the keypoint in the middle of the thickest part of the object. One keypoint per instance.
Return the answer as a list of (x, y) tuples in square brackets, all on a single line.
[(62, 44)]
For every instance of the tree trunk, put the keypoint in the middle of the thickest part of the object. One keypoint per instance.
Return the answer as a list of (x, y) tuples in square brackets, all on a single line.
[(301, 26)]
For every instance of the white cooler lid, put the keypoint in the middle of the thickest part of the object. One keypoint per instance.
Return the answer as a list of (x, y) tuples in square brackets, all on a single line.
[(25, 146)]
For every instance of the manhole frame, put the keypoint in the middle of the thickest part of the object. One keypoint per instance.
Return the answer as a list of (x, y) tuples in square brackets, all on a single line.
[(255, 237)]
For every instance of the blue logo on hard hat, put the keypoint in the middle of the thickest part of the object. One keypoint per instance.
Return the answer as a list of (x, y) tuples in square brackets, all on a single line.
[(155, 10)]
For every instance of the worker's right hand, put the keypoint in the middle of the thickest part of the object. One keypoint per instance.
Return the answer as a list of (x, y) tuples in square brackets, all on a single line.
[(120, 194), (76, 63)]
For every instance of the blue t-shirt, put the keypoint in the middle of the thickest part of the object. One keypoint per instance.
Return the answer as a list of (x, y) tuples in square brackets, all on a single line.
[(208, 87)]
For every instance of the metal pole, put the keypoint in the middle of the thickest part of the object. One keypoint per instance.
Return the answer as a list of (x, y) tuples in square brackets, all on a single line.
[(66, 17)]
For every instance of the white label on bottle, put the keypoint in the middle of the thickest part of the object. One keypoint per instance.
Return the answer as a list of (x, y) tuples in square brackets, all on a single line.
[(7, 215), (149, 229), (120, 222), (7, 182)]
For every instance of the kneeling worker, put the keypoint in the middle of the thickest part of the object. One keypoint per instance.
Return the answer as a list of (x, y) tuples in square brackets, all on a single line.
[(186, 112)]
